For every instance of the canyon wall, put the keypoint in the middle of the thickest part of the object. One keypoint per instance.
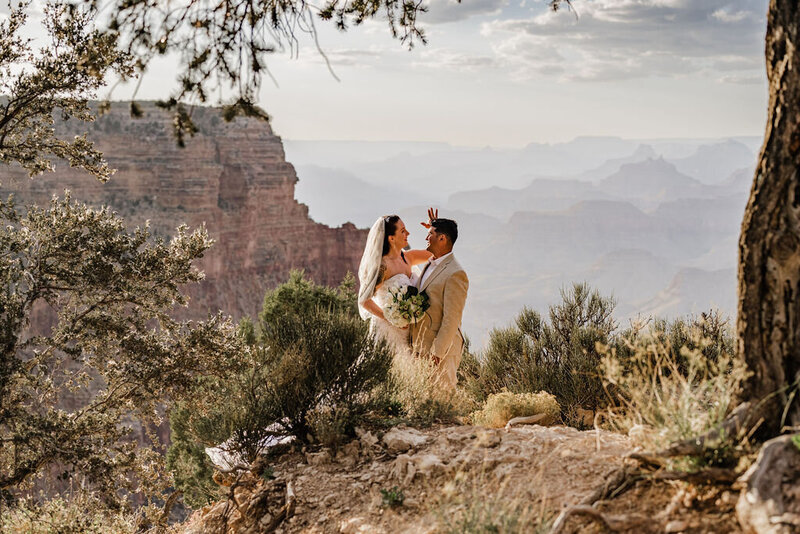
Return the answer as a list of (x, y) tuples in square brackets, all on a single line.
[(231, 176)]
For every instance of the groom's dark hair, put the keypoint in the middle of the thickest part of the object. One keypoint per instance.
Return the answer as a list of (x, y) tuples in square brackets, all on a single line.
[(447, 227)]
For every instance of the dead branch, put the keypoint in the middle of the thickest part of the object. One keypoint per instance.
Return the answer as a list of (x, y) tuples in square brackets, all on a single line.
[(616, 480), (786, 519), (286, 512), (529, 420), (647, 459), (735, 425), (164, 519), (614, 523), (710, 475)]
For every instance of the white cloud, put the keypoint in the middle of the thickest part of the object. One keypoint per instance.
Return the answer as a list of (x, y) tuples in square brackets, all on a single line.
[(623, 39), (443, 11), (454, 60), (743, 80), (724, 15)]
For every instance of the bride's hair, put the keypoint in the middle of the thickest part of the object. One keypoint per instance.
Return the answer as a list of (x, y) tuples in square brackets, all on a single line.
[(389, 228)]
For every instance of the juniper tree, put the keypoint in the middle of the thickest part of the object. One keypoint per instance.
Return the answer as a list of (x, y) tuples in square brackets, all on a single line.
[(58, 78), (70, 394)]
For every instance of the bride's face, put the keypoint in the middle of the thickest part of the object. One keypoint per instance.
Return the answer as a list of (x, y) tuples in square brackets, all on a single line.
[(400, 236)]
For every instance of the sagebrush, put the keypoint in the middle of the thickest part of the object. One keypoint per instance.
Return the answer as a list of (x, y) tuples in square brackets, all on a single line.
[(558, 355), (665, 393)]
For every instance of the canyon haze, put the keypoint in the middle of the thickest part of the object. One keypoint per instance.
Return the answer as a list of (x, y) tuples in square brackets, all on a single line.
[(653, 223)]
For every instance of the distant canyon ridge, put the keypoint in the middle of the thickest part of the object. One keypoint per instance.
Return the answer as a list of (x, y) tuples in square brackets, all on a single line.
[(652, 222), (231, 176)]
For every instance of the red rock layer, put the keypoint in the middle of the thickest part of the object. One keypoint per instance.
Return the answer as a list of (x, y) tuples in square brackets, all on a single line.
[(233, 177)]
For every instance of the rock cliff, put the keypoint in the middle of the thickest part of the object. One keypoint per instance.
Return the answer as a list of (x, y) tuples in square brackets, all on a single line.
[(231, 176)]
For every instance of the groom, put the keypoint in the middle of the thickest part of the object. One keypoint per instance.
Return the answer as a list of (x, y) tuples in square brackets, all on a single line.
[(438, 334)]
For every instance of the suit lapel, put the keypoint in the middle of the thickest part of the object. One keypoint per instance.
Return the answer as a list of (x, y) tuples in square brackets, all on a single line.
[(436, 272), (422, 274)]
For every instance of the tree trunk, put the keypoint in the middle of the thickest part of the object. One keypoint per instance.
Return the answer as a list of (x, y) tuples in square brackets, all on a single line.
[(768, 326)]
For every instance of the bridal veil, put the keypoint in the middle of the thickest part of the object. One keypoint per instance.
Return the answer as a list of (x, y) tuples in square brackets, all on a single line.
[(370, 265)]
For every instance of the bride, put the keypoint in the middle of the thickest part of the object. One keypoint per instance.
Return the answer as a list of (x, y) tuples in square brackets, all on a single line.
[(386, 265)]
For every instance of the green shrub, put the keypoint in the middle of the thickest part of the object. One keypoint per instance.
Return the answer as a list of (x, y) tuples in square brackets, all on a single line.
[(708, 332), (309, 371), (393, 497), (558, 356), (76, 396), (299, 296), (188, 462), (501, 407)]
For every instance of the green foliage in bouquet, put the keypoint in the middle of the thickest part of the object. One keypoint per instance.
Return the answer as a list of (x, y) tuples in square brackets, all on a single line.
[(406, 306), (73, 396), (310, 369), (558, 356)]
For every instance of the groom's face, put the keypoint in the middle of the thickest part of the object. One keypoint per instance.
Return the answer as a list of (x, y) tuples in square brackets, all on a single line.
[(436, 242)]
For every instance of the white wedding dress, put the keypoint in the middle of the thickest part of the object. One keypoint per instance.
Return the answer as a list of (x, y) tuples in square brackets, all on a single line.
[(396, 337)]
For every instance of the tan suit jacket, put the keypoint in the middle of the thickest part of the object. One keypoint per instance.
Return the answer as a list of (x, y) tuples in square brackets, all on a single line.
[(438, 333)]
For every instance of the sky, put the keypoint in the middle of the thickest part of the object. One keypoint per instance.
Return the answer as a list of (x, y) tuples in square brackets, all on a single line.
[(510, 72), (505, 73)]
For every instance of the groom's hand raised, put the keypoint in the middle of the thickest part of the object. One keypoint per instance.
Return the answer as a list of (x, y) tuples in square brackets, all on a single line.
[(432, 214)]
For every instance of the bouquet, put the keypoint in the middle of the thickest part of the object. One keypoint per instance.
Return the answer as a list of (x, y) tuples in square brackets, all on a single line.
[(406, 305)]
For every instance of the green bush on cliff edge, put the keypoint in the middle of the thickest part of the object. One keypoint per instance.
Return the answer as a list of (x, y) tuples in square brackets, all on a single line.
[(310, 369)]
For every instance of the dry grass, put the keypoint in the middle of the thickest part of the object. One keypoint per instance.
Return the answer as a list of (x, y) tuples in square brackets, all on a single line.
[(81, 515), (477, 503), (417, 389), (501, 407), (666, 395)]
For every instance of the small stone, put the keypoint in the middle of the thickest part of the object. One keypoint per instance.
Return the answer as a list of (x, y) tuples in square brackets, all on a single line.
[(675, 526), (488, 439), (404, 469), (358, 525), (401, 440), (241, 494), (351, 449), (265, 520), (368, 439), (318, 458), (429, 464), (329, 500)]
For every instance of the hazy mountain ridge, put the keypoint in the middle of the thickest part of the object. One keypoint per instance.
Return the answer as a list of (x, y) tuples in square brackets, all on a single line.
[(654, 224)]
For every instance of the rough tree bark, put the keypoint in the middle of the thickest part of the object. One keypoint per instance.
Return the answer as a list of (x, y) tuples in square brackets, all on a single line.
[(768, 326)]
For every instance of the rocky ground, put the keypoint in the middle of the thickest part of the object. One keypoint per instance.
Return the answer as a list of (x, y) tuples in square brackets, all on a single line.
[(460, 479)]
